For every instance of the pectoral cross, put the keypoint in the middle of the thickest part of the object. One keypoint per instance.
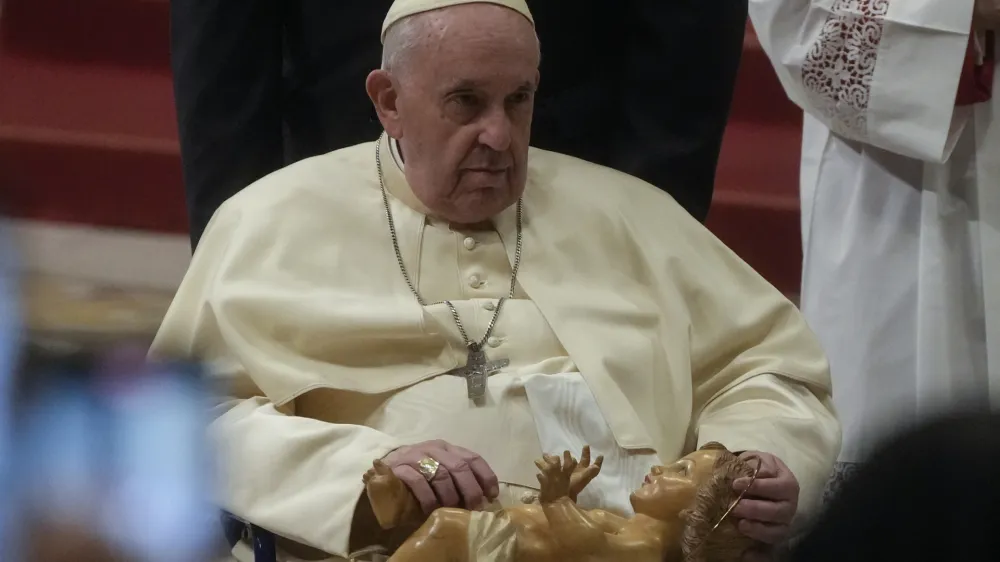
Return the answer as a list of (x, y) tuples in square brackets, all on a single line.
[(477, 371)]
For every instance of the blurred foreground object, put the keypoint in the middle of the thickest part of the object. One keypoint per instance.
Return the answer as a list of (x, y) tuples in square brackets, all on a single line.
[(110, 459), (10, 342), (930, 494), (74, 312)]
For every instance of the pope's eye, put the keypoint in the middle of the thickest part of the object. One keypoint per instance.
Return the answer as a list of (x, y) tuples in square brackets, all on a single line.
[(465, 99)]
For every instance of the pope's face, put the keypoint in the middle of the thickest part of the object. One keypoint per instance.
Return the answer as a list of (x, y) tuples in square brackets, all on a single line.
[(668, 490), (464, 105)]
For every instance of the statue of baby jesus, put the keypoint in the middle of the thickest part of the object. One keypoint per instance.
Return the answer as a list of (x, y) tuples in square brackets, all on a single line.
[(680, 517)]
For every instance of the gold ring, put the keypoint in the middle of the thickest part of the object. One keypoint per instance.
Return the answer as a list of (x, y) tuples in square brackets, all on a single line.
[(428, 467)]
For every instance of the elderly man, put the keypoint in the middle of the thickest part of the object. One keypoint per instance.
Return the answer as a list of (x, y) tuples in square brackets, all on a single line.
[(358, 302)]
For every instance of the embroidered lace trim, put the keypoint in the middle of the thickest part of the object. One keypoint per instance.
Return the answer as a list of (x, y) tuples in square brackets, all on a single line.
[(838, 70)]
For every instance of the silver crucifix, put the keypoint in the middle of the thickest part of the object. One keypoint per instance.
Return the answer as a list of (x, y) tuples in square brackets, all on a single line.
[(477, 371)]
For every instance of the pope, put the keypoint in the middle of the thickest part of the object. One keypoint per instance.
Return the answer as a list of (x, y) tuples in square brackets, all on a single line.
[(456, 303)]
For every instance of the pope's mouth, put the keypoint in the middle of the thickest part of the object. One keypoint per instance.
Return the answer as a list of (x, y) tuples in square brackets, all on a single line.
[(486, 170)]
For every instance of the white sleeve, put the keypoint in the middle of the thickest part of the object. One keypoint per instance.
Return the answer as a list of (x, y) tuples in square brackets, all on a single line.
[(778, 415), (883, 72), (297, 477)]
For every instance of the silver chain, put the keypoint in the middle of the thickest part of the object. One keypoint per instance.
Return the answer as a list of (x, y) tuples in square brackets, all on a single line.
[(409, 282)]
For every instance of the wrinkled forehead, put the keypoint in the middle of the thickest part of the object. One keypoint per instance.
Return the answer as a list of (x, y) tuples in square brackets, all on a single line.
[(475, 47), (474, 29)]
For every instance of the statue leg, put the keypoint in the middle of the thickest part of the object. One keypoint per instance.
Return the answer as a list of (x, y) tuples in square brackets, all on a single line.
[(444, 537)]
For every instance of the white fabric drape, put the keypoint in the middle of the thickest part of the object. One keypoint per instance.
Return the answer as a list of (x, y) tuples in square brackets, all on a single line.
[(900, 206)]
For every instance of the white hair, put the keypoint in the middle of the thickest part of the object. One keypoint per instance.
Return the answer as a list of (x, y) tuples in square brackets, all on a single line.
[(400, 39)]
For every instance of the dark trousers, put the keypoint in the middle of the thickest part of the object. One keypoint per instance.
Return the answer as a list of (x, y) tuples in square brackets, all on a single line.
[(644, 88)]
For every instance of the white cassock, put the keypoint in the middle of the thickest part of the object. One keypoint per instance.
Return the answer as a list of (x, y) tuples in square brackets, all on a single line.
[(900, 205), (631, 329)]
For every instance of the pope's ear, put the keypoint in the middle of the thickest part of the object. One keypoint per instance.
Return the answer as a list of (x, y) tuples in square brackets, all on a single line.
[(383, 91)]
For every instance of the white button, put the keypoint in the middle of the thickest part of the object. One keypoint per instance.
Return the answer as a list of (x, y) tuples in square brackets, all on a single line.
[(493, 341), (488, 305), (529, 497), (474, 281), (470, 243)]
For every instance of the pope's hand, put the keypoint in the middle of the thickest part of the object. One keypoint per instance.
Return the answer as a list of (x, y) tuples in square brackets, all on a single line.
[(767, 509), (987, 15), (463, 478)]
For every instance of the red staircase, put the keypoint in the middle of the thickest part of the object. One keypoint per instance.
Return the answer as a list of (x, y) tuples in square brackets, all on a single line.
[(87, 131), (756, 206)]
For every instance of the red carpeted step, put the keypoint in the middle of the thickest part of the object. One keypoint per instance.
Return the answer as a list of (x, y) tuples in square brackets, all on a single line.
[(122, 32), (89, 144), (759, 96), (86, 141), (755, 210), (756, 206), (136, 33), (87, 180)]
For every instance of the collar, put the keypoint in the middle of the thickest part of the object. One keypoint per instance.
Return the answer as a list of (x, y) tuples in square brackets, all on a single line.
[(395, 179)]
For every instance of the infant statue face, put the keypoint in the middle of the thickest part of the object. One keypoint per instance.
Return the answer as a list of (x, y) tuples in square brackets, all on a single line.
[(671, 489), (697, 492)]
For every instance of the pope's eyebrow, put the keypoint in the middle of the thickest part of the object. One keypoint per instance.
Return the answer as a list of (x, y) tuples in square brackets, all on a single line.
[(469, 85)]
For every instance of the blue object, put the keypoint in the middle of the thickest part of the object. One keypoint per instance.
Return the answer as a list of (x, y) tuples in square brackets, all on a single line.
[(264, 547), (10, 345)]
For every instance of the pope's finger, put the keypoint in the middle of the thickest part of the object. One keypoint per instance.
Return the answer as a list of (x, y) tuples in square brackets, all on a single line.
[(768, 469), (462, 476), (585, 456), (487, 478), (484, 474), (778, 489), (765, 511), (779, 463), (445, 489), (763, 532), (418, 485)]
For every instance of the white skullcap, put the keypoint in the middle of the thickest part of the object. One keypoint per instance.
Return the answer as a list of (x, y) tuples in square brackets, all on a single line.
[(402, 9)]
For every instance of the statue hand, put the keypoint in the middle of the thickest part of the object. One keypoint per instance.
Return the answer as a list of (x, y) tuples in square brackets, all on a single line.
[(770, 503), (391, 501), (555, 475), (585, 472)]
